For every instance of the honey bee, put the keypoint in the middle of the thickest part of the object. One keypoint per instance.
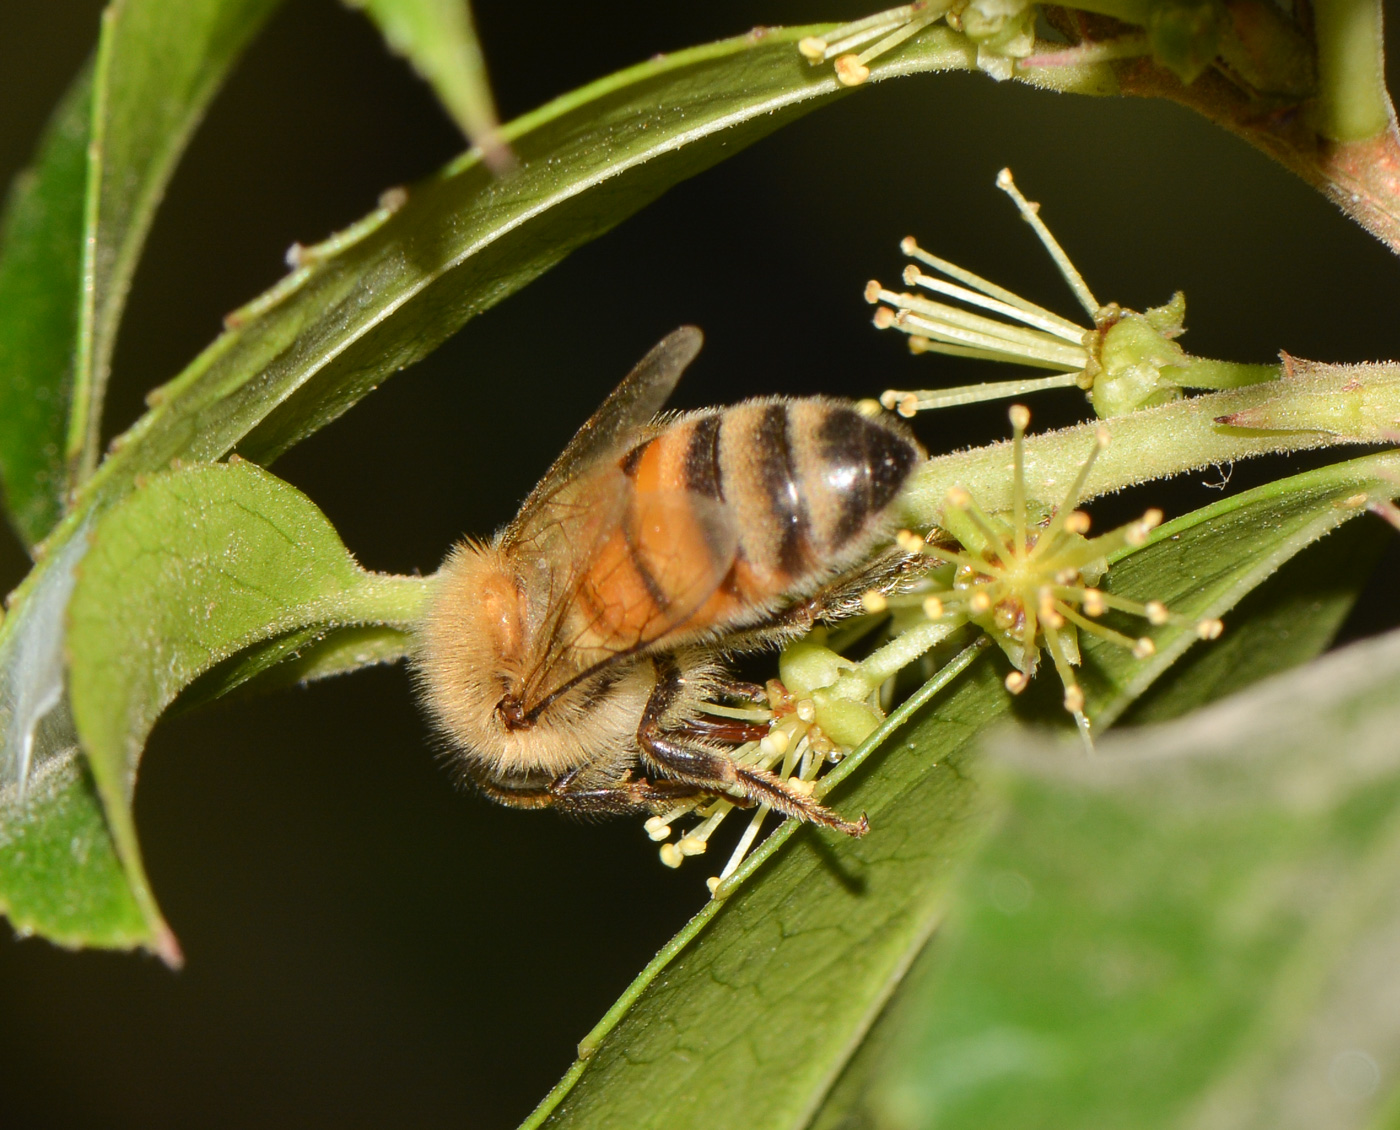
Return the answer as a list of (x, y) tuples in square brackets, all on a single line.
[(566, 660)]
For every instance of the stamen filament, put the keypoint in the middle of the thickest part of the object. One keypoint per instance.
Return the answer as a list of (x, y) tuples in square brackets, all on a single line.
[(1094, 627), (954, 557), (1057, 522), (977, 282), (939, 320), (996, 539), (743, 713), (741, 849), (1031, 214), (818, 49), (918, 343), (1020, 335), (895, 38), (1060, 327), (1020, 417), (898, 400), (857, 39)]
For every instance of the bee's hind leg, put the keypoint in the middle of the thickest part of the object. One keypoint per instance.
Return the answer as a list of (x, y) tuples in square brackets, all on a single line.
[(713, 773)]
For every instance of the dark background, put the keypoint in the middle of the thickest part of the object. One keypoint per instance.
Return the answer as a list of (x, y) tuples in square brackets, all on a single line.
[(366, 944)]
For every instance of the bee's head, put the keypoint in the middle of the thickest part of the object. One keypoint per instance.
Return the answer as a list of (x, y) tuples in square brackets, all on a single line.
[(478, 661), (472, 643)]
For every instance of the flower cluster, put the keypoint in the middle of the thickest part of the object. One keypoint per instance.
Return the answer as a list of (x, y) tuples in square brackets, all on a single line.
[(1032, 583), (1124, 359)]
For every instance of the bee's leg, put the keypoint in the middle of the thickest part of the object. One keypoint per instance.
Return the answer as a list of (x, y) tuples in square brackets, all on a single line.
[(730, 730), (569, 796), (738, 688), (838, 600), (717, 774)]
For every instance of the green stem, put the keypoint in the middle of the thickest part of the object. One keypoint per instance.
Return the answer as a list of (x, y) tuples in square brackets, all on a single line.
[(891, 659), (1203, 372), (1314, 406), (1352, 97), (384, 598)]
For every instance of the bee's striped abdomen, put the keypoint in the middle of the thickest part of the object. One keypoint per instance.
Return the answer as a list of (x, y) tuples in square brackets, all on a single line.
[(806, 483)]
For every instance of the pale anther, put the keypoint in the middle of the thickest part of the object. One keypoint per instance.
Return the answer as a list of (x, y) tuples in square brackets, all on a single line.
[(874, 601), (851, 71), (775, 743)]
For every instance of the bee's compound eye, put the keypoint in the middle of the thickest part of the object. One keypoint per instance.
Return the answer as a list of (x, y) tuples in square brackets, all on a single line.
[(512, 713)]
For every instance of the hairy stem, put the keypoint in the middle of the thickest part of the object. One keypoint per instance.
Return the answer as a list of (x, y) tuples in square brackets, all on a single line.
[(384, 598), (1313, 405), (1352, 101)]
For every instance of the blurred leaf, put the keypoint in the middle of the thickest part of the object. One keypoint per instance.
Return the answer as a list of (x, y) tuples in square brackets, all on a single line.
[(439, 39), (192, 568), (1201, 927), (752, 1013), (75, 225)]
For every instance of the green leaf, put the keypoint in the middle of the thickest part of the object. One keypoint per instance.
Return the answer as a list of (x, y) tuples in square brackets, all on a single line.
[(1233, 547), (1288, 620), (439, 39), (752, 1013), (61, 875), (194, 567), (387, 291), (746, 1024), (75, 226), (299, 657), (1198, 928), (41, 263)]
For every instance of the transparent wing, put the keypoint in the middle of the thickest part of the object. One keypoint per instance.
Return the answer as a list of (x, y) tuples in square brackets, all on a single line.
[(641, 571), (629, 408)]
